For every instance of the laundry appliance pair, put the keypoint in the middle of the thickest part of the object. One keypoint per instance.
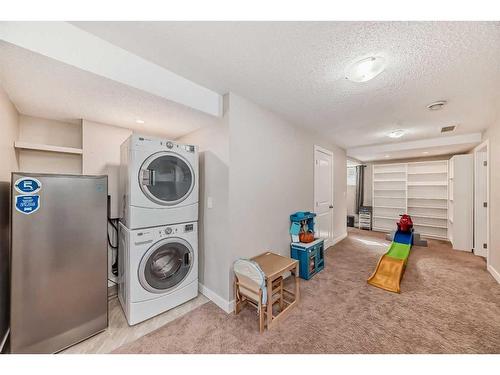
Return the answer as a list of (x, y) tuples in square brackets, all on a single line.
[(158, 232)]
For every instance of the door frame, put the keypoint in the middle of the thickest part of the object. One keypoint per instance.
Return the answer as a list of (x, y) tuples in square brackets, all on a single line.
[(330, 153), (483, 145)]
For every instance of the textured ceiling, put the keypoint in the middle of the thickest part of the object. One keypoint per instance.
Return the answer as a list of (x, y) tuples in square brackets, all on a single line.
[(297, 70), (43, 87)]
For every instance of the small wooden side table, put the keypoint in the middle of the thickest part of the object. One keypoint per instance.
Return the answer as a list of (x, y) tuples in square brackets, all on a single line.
[(275, 265)]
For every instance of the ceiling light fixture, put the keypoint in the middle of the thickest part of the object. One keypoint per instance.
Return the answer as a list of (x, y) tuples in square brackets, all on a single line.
[(397, 133), (365, 69), (387, 156), (425, 152), (139, 121), (436, 106)]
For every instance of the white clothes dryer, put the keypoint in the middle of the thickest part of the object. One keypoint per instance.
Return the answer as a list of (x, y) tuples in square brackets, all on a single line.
[(158, 182)]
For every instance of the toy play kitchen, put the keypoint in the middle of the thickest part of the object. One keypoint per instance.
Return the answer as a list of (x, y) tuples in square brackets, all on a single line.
[(307, 249)]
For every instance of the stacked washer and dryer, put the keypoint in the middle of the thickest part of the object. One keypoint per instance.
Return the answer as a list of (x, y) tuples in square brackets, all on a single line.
[(158, 232)]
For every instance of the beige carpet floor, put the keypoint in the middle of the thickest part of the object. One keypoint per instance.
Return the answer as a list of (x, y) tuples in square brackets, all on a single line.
[(449, 304)]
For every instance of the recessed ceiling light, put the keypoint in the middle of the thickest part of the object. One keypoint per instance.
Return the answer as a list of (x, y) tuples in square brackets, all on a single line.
[(397, 133), (425, 152), (139, 121), (436, 106), (365, 69), (387, 156)]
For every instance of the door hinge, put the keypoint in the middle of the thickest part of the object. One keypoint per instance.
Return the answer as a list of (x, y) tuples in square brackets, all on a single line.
[(485, 204), (485, 245), (485, 163)]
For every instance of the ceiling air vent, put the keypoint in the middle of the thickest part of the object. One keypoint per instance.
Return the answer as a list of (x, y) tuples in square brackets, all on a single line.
[(447, 129)]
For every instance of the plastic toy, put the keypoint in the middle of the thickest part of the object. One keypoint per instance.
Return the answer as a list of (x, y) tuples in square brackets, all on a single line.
[(302, 226), (391, 266)]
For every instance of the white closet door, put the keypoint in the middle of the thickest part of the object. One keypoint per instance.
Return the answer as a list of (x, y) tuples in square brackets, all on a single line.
[(323, 194)]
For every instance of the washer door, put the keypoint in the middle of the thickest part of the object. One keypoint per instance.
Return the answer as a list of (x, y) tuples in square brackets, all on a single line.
[(166, 178), (165, 265)]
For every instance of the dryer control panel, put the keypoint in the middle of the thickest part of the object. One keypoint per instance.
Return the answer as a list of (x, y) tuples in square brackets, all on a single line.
[(158, 143)]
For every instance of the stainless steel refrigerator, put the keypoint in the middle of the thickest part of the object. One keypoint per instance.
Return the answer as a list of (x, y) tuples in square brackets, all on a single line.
[(58, 260)]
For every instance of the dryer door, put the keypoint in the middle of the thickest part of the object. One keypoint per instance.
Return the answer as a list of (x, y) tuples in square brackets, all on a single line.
[(166, 178), (165, 265)]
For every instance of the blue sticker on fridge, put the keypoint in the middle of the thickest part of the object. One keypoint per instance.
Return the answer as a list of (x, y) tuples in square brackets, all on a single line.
[(28, 185), (27, 204)]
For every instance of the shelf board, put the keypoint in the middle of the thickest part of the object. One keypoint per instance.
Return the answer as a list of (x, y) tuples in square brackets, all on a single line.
[(432, 199), (47, 148), (429, 216), (378, 172), (427, 184), (434, 207), (430, 226), (389, 180), (386, 217), (396, 208), (430, 172), (385, 196), (377, 189)]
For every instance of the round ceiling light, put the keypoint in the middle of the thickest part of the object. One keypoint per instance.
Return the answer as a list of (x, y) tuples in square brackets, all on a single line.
[(365, 69), (139, 121), (397, 133), (436, 106)]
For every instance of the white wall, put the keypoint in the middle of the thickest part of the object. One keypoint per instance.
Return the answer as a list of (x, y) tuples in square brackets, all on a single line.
[(271, 176), (213, 246), (9, 128), (101, 155), (50, 132), (258, 169), (493, 134), (8, 163)]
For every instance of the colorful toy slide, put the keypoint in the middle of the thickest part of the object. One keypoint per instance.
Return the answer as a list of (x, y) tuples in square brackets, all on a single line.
[(391, 266)]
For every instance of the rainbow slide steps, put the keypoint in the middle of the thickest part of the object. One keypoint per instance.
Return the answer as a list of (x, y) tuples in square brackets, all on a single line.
[(391, 265)]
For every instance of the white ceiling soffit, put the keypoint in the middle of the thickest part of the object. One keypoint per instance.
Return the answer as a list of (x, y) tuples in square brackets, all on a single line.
[(412, 149), (43, 87), (73, 46)]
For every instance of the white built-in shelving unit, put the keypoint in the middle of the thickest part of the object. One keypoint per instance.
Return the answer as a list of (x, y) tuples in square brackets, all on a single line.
[(389, 195), (419, 189)]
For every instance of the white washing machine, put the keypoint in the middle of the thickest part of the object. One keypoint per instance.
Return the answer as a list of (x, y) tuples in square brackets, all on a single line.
[(158, 182), (158, 269)]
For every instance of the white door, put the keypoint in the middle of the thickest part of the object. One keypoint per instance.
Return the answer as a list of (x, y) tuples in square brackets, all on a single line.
[(323, 194), (481, 204)]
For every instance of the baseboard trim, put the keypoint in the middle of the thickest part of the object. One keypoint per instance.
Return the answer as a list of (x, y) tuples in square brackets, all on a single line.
[(494, 273), (227, 306), (337, 239)]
